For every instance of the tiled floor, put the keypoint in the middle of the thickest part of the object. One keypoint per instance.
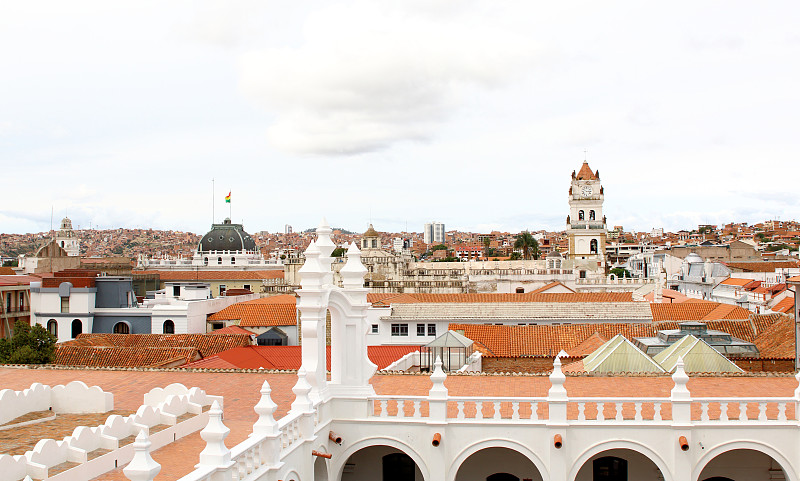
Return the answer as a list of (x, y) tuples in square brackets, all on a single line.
[(22, 439)]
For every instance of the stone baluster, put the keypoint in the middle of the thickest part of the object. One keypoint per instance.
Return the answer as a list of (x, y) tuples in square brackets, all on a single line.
[(557, 396), (142, 467), (216, 454), (437, 396), (267, 427), (680, 397)]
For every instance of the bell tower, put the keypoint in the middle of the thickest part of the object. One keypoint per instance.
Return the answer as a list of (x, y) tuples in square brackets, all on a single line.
[(586, 224)]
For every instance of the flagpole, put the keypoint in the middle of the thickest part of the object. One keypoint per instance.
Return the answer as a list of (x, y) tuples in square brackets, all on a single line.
[(213, 217), (230, 207)]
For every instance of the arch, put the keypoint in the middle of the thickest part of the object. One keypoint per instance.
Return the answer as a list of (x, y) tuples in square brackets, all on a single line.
[(763, 448), (205, 261), (380, 441), (634, 446), (580, 215), (591, 215), (593, 246), (219, 260), (168, 327), (320, 469), (718, 478), (122, 327), (497, 443), (290, 475), (77, 327), (52, 327), (233, 260)]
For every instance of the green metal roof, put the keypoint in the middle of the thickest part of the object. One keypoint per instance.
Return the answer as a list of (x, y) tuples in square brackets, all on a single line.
[(697, 356), (619, 355)]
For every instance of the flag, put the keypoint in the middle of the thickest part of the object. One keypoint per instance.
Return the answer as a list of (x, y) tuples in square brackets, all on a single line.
[(228, 198)]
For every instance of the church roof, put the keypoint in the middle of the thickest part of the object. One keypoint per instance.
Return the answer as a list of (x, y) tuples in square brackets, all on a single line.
[(586, 172), (226, 237), (371, 232)]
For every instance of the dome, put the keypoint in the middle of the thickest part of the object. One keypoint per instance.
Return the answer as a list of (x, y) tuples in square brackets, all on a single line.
[(554, 254), (226, 237), (371, 232), (694, 259)]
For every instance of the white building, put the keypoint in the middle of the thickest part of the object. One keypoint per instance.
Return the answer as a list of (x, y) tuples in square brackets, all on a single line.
[(67, 239), (479, 428), (434, 233), (586, 224)]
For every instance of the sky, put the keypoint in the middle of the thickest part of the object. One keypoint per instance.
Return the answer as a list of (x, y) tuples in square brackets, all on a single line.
[(472, 113)]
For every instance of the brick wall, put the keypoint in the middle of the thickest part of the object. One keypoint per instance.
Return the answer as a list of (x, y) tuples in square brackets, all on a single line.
[(523, 364), (765, 364)]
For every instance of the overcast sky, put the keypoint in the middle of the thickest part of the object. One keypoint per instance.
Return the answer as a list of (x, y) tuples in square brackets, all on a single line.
[(472, 113)]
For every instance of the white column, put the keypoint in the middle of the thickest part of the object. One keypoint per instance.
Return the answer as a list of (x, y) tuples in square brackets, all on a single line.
[(216, 454), (312, 307)]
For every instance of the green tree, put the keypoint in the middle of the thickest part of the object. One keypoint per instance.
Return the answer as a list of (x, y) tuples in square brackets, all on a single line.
[(29, 345), (439, 247), (620, 272), (529, 245), (515, 256), (338, 252)]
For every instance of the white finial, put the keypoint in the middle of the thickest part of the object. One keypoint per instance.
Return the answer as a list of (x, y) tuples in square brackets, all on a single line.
[(142, 467), (324, 242), (302, 402), (438, 390), (265, 409), (214, 434), (312, 272), (353, 271), (680, 378), (557, 380)]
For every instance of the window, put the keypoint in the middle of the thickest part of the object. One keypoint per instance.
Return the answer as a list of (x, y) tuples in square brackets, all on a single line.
[(431, 329), (205, 261), (222, 289), (374, 329), (233, 260), (169, 327), (399, 329), (217, 325), (21, 301), (176, 291), (8, 302), (247, 286), (593, 246), (582, 274), (52, 327), (122, 328), (591, 215), (520, 290), (580, 215), (374, 243), (219, 260), (77, 327), (420, 329), (65, 304)]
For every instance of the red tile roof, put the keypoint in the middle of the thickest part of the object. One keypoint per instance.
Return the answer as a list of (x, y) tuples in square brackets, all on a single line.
[(777, 341), (288, 357), (263, 312), (586, 172), (762, 266), (735, 281), (233, 329), (785, 305), (696, 311), (94, 356), (588, 346), (493, 297), (547, 287), (208, 345)]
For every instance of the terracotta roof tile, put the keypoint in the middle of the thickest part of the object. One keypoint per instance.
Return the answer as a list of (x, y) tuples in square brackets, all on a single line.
[(233, 329), (263, 312), (762, 266), (696, 311), (94, 356), (586, 172), (786, 305), (289, 357), (208, 345), (777, 341), (588, 346)]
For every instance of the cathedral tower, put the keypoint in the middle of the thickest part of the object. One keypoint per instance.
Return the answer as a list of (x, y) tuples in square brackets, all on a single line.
[(586, 224)]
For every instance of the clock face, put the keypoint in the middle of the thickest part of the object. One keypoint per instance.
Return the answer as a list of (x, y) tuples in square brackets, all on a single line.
[(586, 191)]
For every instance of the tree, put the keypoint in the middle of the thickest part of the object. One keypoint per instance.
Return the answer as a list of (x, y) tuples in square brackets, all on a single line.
[(515, 256), (620, 272), (29, 345), (529, 245), (338, 252), (439, 247)]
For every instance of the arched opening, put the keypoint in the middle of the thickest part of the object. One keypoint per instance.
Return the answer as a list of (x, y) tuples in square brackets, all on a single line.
[(497, 464), (122, 328), (52, 327), (205, 261), (393, 464), (169, 327), (321, 469), (77, 327), (591, 215), (62, 243), (742, 465), (580, 215), (219, 260), (593, 246), (233, 260), (619, 465)]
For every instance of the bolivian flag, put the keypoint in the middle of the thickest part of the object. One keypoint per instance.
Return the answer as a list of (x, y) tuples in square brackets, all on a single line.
[(228, 198)]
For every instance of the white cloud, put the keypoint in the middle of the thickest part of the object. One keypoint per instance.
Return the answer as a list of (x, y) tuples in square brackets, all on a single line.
[(369, 75)]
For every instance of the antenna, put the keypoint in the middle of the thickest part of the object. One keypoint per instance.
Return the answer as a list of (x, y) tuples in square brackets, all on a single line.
[(584, 154), (213, 217)]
